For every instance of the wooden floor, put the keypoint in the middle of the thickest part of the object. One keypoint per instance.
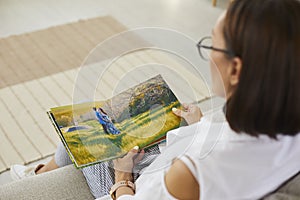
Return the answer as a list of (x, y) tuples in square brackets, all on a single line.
[(25, 132)]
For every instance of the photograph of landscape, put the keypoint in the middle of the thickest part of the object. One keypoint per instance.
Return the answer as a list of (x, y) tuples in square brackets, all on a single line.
[(99, 131)]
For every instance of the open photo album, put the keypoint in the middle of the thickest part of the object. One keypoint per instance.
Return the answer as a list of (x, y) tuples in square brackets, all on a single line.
[(99, 131)]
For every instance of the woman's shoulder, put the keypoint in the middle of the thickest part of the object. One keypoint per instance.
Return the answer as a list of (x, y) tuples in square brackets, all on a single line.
[(180, 173)]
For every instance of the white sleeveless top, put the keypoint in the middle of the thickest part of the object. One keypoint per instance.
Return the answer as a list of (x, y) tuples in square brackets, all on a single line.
[(227, 165)]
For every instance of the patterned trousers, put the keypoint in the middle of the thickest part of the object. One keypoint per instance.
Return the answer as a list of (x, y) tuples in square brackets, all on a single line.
[(100, 177)]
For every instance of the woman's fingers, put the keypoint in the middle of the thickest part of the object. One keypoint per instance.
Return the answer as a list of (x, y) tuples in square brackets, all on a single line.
[(191, 113), (135, 155), (177, 112), (127, 163), (139, 157), (186, 106), (132, 152)]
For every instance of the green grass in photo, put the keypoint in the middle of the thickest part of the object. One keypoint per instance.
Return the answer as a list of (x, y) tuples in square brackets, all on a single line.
[(93, 145)]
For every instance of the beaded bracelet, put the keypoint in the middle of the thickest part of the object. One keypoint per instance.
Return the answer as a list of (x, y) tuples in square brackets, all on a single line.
[(119, 184)]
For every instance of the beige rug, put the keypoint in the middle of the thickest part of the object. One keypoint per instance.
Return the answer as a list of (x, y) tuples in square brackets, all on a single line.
[(45, 52)]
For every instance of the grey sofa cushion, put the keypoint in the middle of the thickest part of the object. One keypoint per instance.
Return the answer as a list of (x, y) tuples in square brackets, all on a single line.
[(64, 183), (288, 191)]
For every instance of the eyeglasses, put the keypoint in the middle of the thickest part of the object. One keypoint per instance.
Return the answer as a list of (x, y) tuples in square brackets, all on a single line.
[(205, 46)]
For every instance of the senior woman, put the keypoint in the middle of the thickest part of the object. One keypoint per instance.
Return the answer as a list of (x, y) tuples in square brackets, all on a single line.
[(255, 65)]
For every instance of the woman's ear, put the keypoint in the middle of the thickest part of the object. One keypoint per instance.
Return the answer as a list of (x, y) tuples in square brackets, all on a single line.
[(235, 70)]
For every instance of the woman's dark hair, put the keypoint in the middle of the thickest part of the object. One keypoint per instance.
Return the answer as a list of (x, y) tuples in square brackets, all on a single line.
[(102, 111), (265, 34)]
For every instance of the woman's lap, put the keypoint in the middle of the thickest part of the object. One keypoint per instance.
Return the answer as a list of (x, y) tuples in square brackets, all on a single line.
[(100, 177)]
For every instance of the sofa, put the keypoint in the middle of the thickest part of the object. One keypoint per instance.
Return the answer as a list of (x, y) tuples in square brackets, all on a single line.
[(69, 183)]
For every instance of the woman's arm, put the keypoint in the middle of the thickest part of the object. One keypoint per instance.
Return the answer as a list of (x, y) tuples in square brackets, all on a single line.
[(121, 176), (124, 191), (179, 180), (123, 170), (181, 183)]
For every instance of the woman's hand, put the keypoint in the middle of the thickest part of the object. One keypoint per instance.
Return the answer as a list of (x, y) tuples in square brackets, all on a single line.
[(191, 113), (123, 166)]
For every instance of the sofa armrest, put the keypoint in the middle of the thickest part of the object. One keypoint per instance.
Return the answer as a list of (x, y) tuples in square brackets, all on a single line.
[(63, 183), (288, 191)]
